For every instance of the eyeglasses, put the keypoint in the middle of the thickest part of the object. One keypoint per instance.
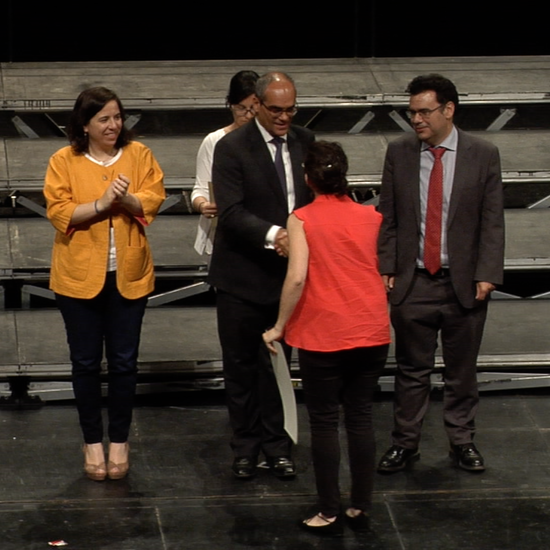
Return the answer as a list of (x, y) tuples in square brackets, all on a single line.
[(424, 113), (278, 111), (241, 110)]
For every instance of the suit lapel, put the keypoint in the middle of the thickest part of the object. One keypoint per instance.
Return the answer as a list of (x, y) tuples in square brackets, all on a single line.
[(412, 185), (260, 153), (461, 174)]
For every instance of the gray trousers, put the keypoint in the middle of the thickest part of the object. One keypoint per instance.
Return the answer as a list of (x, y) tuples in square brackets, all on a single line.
[(431, 308)]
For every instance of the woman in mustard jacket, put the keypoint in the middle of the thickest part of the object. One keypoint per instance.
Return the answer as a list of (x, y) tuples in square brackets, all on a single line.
[(101, 191)]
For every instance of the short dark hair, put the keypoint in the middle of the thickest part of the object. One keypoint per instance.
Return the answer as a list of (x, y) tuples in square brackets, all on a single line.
[(444, 89), (266, 79), (242, 85), (86, 106), (326, 166)]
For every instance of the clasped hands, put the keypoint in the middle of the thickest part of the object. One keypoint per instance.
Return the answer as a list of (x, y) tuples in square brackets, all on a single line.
[(117, 192), (281, 243)]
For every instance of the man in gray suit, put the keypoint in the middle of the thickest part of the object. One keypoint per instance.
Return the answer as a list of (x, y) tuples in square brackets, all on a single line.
[(441, 253)]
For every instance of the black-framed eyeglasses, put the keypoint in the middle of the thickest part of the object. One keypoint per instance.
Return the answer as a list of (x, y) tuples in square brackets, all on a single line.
[(278, 111), (241, 110), (424, 113)]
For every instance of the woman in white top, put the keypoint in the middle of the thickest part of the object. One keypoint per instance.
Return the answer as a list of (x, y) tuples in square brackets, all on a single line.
[(242, 101)]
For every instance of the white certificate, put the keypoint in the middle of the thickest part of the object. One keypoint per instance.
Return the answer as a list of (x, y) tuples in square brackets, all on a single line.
[(284, 382)]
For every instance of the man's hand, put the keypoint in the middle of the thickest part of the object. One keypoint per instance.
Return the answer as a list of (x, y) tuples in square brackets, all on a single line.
[(281, 243), (388, 281), (483, 290)]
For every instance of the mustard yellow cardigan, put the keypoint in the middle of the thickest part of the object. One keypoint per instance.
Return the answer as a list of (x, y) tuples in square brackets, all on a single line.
[(80, 252)]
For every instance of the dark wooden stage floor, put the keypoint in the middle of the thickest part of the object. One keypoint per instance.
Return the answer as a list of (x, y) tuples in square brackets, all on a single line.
[(180, 493)]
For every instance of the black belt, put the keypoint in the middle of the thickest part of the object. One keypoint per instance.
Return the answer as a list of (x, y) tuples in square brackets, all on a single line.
[(443, 272)]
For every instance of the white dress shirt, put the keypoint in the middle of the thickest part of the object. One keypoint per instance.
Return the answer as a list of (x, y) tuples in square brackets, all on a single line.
[(426, 164), (291, 197)]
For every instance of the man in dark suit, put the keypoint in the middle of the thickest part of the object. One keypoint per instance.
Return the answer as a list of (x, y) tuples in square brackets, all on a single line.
[(258, 180), (441, 253)]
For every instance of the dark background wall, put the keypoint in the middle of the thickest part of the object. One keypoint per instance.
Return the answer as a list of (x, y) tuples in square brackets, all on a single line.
[(63, 31)]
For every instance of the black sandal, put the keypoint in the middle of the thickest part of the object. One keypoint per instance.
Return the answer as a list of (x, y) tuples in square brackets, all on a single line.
[(329, 529), (359, 523)]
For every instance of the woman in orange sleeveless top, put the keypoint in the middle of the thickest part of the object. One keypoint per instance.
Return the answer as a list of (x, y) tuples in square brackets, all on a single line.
[(334, 310)]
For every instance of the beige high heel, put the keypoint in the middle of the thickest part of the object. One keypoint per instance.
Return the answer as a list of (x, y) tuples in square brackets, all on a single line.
[(118, 470), (96, 472)]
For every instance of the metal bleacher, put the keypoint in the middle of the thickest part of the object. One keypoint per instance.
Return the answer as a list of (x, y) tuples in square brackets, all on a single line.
[(172, 105)]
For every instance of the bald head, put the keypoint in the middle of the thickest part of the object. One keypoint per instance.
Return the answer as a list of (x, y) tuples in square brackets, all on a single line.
[(265, 80), (277, 96)]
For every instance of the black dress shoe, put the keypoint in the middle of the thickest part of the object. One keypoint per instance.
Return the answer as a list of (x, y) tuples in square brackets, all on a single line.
[(244, 467), (282, 466), (467, 457), (396, 459), (360, 523), (329, 529)]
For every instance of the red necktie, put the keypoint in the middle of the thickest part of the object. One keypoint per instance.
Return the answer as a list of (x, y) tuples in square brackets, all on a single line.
[(434, 212)]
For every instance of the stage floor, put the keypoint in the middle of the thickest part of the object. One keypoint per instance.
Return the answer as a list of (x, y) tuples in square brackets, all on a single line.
[(180, 493)]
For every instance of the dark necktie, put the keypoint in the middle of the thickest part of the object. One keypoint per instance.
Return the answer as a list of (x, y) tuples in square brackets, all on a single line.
[(434, 213), (279, 164)]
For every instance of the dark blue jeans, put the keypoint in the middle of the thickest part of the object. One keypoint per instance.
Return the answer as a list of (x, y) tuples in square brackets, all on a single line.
[(115, 321), (348, 377)]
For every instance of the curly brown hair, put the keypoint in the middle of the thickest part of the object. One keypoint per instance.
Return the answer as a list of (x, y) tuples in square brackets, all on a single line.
[(326, 166)]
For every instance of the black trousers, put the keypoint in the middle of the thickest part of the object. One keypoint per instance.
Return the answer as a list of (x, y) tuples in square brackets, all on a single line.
[(253, 400), (350, 377), (115, 321), (431, 308)]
